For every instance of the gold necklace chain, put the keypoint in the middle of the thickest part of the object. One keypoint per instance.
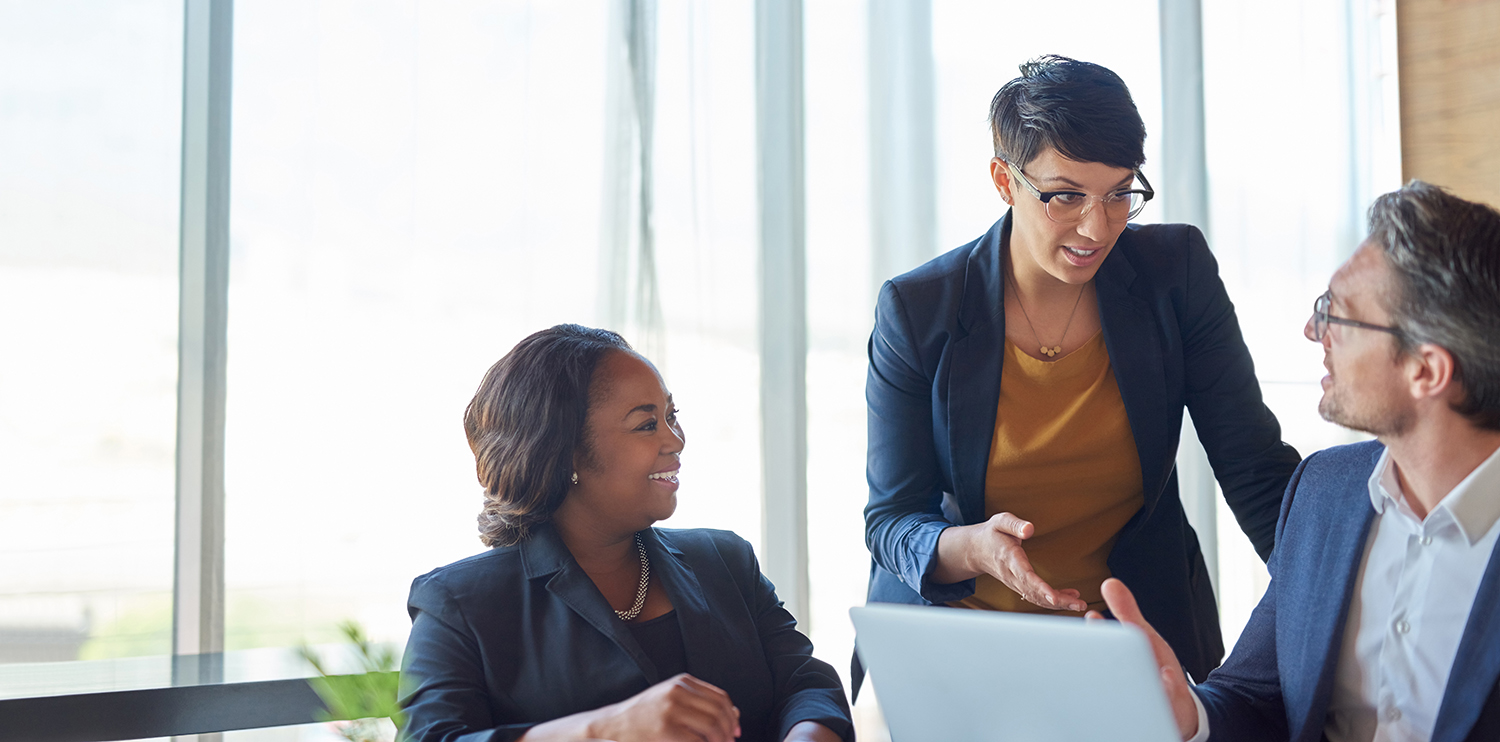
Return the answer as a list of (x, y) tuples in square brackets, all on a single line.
[(1054, 350)]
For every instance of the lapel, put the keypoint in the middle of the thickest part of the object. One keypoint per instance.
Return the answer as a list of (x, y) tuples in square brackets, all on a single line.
[(545, 555), (703, 638), (972, 373), (1135, 356), (1310, 639), (1477, 664)]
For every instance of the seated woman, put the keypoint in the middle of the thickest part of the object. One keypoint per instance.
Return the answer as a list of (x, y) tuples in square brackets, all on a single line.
[(583, 621)]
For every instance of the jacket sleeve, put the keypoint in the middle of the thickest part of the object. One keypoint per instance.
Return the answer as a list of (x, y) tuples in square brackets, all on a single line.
[(1239, 433), (1243, 697), (904, 516), (442, 676), (806, 689)]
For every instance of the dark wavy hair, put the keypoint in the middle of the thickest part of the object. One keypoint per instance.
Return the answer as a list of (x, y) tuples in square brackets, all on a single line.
[(526, 422), (1445, 253), (1080, 109)]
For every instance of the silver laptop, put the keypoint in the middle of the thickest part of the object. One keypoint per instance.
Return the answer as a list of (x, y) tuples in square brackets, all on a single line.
[(952, 674)]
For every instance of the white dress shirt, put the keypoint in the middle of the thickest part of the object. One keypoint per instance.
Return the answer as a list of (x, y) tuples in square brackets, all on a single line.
[(1412, 596)]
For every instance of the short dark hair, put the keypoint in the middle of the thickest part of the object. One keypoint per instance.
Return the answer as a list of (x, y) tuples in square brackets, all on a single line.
[(1080, 109), (526, 422), (1445, 253)]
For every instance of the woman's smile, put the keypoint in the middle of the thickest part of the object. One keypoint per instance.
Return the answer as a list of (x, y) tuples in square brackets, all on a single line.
[(666, 478)]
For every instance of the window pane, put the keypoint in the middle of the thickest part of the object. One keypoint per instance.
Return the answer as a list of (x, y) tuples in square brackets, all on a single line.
[(90, 115), (416, 187)]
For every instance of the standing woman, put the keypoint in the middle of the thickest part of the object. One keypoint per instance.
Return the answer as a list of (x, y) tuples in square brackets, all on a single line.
[(1026, 390), (583, 621)]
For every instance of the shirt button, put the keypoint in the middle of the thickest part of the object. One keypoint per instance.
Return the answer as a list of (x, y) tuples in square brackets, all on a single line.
[(1393, 714), (1427, 541), (1402, 627)]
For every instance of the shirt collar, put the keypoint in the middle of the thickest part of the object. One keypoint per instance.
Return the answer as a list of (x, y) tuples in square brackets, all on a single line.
[(1473, 504)]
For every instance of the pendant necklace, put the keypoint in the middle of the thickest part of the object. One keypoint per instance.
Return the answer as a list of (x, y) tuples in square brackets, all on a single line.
[(1054, 350), (640, 592)]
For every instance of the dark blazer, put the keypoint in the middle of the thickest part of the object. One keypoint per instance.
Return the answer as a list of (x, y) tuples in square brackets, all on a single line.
[(1173, 341), (520, 635), (1278, 682)]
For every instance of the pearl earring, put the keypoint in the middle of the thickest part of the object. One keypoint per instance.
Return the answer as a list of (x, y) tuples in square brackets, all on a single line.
[(575, 477)]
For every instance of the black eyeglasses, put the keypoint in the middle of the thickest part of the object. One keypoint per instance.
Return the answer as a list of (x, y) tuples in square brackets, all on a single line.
[(1068, 207), (1322, 319)]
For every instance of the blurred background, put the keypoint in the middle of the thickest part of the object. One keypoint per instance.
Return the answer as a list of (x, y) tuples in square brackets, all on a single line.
[(415, 186)]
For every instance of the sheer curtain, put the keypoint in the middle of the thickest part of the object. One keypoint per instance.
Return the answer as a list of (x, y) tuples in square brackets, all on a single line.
[(1299, 142), (628, 290), (706, 242)]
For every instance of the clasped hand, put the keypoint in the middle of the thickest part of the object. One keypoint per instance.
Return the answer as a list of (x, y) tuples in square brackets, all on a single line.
[(681, 708), (678, 708)]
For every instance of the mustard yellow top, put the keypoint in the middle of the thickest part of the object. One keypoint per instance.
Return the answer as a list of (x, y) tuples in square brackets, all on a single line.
[(1063, 457)]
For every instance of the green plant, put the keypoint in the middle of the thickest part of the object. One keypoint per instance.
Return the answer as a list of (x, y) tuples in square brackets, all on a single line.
[(364, 699)]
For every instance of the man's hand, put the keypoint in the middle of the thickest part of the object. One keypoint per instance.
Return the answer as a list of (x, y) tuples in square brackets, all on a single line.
[(679, 708), (994, 548), (1173, 679)]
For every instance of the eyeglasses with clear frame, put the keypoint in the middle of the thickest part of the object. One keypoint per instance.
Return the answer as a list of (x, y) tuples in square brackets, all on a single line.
[(1321, 319), (1068, 207)]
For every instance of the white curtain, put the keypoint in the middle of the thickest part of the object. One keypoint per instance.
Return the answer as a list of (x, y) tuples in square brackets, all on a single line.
[(630, 300)]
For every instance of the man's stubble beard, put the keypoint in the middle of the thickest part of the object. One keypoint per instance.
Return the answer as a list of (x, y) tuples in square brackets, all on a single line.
[(1382, 423)]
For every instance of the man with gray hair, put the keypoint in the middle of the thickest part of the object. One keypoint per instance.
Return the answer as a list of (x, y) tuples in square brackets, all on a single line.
[(1382, 620)]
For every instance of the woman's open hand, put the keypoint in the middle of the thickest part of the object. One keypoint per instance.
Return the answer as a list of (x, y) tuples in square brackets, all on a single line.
[(994, 548), (679, 708)]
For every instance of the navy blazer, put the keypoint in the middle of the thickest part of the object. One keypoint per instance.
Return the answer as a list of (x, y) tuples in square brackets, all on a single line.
[(519, 635), (1278, 682), (1173, 342)]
